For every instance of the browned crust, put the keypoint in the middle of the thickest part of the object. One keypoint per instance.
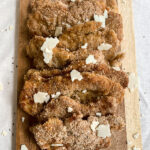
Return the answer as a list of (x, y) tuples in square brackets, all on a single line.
[(74, 130), (92, 82)]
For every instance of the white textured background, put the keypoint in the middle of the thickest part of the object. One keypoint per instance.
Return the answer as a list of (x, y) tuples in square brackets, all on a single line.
[(8, 50)]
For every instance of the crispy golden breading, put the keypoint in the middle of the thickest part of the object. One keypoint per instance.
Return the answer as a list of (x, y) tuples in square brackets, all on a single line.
[(101, 69), (61, 57), (73, 39), (98, 87), (114, 22), (47, 15), (59, 107), (74, 133)]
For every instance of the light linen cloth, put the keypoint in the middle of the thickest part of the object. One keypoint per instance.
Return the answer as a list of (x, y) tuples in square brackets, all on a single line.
[(9, 10)]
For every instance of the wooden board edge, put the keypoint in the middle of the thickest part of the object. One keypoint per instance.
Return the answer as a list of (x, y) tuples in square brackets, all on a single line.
[(132, 108)]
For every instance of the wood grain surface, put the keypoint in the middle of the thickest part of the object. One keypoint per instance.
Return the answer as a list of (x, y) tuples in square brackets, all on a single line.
[(128, 110)]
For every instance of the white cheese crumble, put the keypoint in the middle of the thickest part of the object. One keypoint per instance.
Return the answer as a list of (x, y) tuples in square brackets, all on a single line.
[(70, 109), (84, 91), (56, 95), (133, 82), (98, 114), (91, 60), (58, 31), (103, 131), (41, 97), (101, 18), (116, 68), (84, 46), (56, 145), (86, 20), (129, 143), (136, 135), (11, 27), (135, 148), (3, 133), (1, 87), (94, 125), (68, 25), (104, 46), (23, 119), (47, 48), (76, 75), (23, 147)]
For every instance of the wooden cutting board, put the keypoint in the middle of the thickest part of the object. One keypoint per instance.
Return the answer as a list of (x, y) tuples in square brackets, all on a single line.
[(128, 110)]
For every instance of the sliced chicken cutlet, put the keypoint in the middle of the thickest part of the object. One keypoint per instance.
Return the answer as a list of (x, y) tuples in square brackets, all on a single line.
[(47, 16), (76, 44), (60, 57), (76, 133), (64, 107), (101, 69), (98, 86)]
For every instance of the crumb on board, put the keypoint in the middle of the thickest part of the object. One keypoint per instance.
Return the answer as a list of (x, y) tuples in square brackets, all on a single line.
[(1, 87), (24, 147), (136, 135), (4, 133)]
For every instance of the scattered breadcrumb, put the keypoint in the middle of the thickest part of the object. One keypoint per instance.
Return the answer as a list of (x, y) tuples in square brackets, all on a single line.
[(124, 1), (23, 147), (76, 75), (129, 143), (23, 119), (133, 82), (56, 95), (136, 135), (11, 27), (3, 133), (70, 109), (98, 114), (135, 148), (1, 87)]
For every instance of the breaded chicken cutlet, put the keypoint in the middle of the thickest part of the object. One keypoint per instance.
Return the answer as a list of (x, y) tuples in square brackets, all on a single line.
[(76, 133), (48, 15), (101, 69), (69, 47), (98, 87)]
